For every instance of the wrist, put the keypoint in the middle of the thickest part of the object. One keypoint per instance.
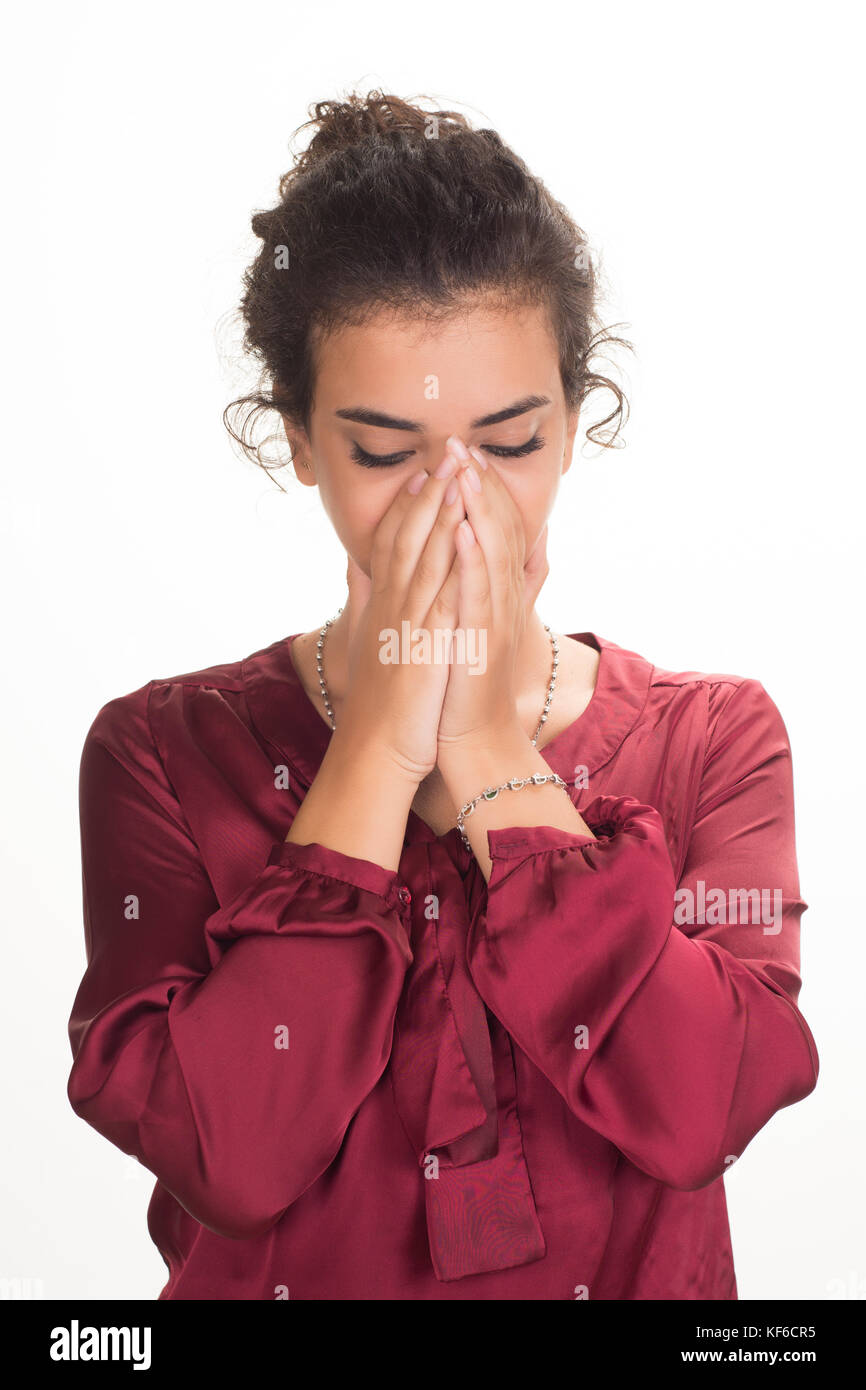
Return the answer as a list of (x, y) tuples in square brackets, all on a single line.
[(369, 758), (469, 765)]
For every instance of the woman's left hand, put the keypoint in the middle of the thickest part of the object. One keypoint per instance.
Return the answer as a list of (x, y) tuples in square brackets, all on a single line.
[(498, 590)]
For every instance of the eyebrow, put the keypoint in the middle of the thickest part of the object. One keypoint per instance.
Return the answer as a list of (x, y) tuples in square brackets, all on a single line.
[(363, 415)]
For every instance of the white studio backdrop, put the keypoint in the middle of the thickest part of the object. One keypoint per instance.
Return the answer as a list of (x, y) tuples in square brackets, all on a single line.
[(709, 152)]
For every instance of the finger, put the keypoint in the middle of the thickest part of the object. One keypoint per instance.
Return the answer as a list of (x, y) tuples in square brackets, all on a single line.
[(383, 537), (475, 601), (402, 533), (437, 557), (498, 530), (444, 611), (500, 501)]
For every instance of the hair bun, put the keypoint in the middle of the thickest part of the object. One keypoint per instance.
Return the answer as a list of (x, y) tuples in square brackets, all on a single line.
[(337, 125)]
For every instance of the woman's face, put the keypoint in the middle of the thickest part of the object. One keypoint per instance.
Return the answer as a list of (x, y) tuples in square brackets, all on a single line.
[(397, 389)]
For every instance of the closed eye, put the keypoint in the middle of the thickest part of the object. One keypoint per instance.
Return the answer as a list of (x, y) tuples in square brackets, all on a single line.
[(378, 460), (497, 450)]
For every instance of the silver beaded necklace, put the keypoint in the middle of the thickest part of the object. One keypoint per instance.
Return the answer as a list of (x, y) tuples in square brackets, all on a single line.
[(324, 689)]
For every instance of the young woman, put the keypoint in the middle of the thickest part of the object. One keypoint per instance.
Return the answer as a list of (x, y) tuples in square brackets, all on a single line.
[(429, 974)]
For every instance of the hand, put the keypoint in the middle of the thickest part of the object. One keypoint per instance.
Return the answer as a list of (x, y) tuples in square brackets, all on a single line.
[(498, 587), (414, 578)]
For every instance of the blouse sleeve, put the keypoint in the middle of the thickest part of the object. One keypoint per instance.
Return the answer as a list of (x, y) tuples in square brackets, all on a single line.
[(227, 1048), (665, 1013)]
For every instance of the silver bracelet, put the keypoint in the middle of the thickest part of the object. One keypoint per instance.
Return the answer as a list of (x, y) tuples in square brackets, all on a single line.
[(490, 794)]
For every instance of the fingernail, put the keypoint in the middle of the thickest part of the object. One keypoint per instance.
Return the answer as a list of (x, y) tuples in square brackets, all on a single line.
[(456, 445), (446, 467), (474, 480), (415, 484), (451, 491), (478, 456)]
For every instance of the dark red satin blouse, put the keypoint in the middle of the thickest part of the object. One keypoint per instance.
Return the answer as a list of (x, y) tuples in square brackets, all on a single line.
[(353, 1083)]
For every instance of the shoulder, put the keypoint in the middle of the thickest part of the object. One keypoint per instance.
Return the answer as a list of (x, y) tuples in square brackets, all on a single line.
[(716, 688), (727, 701), (127, 754), (731, 700), (125, 722)]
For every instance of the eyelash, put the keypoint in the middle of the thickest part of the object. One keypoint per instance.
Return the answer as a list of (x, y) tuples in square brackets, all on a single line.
[(497, 450)]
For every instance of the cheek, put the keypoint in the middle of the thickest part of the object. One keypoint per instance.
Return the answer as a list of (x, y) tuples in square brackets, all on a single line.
[(532, 493), (352, 507), (355, 507)]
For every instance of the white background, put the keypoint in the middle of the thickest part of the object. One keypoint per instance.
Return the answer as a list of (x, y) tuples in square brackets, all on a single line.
[(714, 156)]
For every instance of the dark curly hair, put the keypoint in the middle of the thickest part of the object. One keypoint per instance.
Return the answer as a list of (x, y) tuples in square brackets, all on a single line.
[(392, 206)]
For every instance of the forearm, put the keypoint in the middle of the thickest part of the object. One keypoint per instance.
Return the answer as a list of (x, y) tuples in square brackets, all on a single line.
[(468, 767), (358, 804)]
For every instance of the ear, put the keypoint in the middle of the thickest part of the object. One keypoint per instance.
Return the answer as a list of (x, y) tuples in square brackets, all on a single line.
[(301, 452), (571, 431)]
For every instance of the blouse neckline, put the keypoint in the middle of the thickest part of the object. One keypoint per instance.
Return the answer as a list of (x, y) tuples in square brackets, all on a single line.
[(283, 712)]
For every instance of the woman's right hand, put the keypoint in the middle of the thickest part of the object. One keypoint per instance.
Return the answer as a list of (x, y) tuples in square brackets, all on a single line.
[(414, 578)]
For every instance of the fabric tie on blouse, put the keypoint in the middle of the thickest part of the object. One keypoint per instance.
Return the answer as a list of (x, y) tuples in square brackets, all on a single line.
[(453, 1076)]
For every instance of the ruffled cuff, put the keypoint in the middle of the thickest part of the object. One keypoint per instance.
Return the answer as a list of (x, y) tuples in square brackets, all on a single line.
[(606, 816), (309, 887)]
